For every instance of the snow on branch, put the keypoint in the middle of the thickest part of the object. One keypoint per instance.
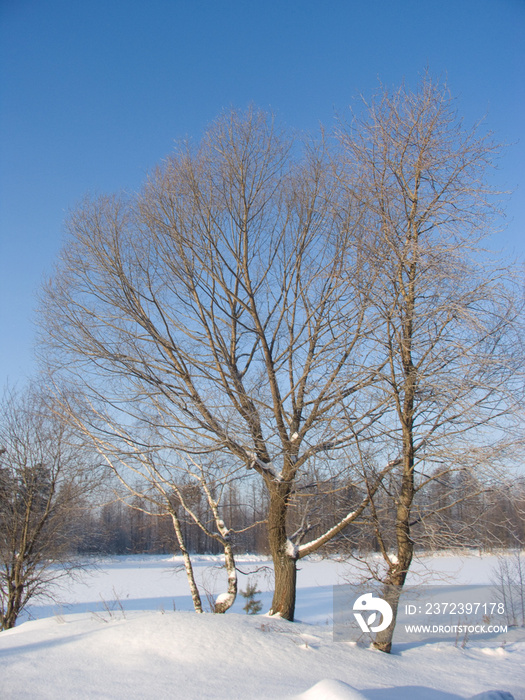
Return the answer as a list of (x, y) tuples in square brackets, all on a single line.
[(267, 467)]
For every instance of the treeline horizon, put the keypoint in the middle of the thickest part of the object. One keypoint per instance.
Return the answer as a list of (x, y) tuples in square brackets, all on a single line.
[(493, 519)]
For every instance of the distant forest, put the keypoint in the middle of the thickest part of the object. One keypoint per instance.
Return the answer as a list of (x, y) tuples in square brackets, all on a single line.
[(495, 518)]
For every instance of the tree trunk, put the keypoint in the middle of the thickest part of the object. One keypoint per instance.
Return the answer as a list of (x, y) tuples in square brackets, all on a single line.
[(14, 603), (399, 566), (391, 593), (226, 600), (283, 602), (284, 554), (197, 603)]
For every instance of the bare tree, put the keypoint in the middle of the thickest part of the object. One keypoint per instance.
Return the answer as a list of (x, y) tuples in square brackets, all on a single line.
[(43, 481), (228, 298), (508, 576), (162, 481), (445, 308)]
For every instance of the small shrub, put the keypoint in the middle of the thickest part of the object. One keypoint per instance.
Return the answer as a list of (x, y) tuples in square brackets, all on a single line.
[(252, 606)]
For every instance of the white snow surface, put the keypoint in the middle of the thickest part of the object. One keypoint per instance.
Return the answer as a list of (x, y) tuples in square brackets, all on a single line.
[(117, 635)]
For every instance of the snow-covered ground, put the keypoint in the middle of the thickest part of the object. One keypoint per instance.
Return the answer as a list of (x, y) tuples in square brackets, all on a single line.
[(126, 630)]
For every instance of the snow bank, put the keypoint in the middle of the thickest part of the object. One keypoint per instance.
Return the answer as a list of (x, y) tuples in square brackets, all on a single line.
[(113, 650), (331, 690), (133, 656)]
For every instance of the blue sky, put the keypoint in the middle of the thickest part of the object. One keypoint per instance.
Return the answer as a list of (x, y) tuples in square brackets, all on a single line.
[(93, 94)]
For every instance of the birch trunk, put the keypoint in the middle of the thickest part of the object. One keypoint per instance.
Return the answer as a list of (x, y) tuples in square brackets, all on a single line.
[(194, 590)]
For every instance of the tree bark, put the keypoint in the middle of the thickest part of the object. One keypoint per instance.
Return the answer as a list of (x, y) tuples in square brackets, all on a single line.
[(197, 603), (226, 600), (398, 567), (392, 590), (383, 640), (284, 553), (14, 604)]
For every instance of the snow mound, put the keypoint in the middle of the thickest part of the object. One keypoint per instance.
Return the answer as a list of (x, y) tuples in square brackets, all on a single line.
[(329, 689), (498, 651), (125, 634), (127, 655)]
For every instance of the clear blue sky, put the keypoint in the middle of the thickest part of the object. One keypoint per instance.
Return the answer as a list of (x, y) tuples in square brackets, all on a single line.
[(93, 93)]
